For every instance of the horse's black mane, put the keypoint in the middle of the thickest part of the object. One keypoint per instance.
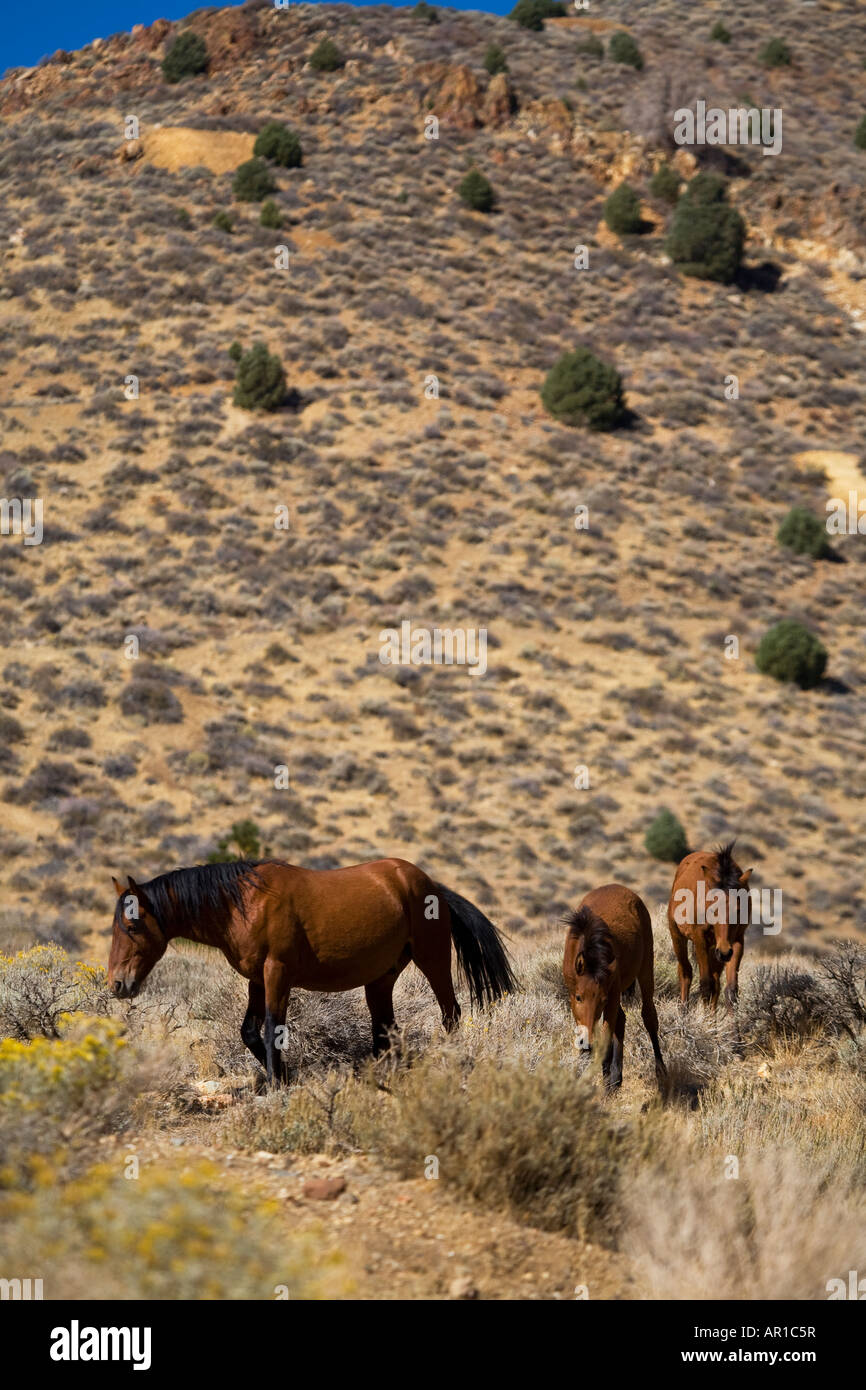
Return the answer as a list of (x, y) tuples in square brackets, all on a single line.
[(727, 873), (203, 894), (598, 952)]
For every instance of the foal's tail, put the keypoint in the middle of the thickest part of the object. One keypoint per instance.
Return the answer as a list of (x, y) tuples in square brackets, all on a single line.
[(481, 957)]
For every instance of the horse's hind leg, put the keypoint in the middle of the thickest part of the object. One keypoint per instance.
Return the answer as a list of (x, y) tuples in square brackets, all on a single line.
[(431, 952), (651, 1024), (252, 1025)]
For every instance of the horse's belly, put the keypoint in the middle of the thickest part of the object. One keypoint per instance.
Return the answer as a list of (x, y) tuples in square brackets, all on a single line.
[(337, 970)]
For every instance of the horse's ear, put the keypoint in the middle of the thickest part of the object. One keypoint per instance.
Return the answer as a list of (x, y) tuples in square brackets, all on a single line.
[(579, 964), (744, 877), (118, 888)]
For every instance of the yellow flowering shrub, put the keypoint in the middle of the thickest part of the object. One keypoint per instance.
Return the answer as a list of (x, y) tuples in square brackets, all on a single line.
[(57, 1092), (39, 986), (171, 1233)]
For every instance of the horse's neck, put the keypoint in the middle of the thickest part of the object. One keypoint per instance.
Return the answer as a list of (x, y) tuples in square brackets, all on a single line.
[(205, 935)]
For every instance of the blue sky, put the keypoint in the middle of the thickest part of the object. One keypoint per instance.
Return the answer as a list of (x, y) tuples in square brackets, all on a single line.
[(29, 31)]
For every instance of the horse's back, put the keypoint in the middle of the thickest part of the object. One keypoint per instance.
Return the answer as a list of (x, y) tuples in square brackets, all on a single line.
[(626, 917)]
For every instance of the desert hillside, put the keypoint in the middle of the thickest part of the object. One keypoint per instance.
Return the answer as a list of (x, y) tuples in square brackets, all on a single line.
[(192, 650)]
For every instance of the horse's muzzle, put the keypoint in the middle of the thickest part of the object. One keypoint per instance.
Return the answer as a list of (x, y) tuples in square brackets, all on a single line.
[(126, 989), (725, 955)]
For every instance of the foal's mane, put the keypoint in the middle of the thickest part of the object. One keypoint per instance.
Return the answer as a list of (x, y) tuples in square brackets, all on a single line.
[(727, 873), (598, 951), (204, 894)]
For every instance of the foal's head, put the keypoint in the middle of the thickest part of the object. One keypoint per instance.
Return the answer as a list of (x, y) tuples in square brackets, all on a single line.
[(137, 941), (590, 969), (735, 907)]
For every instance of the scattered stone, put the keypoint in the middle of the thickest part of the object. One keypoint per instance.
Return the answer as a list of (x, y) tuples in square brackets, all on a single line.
[(462, 1288), (324, 1189), (129, 150)]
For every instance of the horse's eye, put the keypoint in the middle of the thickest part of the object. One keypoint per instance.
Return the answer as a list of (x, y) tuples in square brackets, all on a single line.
[(577, 999)]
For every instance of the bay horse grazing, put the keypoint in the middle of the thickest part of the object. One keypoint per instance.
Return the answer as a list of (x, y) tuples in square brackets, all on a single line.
[(711, 907), (283, 927), (609, 947)]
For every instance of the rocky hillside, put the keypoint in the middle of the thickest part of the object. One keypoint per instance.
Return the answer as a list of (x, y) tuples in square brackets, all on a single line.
[(167, 647)]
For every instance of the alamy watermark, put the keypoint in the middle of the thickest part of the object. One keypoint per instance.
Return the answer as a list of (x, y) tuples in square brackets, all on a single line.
[(711, 907), (22, 517), (421, 646), (739, 125)]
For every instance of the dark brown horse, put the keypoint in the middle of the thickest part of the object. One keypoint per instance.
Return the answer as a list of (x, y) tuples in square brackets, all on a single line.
[(608, 948), (283, 927), (710, 906)]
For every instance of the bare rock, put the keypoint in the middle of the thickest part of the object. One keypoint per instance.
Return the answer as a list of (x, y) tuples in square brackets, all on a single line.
[(324, 1189), (463, 1288), (129, 150), (500, 102)]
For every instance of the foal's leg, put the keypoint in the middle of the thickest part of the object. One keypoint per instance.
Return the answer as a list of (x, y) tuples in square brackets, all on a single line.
[(732, 976), (252, 1025), (651, 1024), (277, 989), (684, 965), (611, 1067), (702, 956)]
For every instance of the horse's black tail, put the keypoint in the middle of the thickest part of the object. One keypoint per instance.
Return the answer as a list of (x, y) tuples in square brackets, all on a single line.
[(481, 957)]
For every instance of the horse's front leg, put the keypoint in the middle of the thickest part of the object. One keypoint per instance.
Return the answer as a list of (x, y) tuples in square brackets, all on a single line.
[(614, 1019), (732, 976), (251, 1027), (702, 956), (277, 990)]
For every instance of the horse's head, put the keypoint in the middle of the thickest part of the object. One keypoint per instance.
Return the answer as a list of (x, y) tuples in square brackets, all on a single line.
[(137, 941), (590, 970), (735, 909)]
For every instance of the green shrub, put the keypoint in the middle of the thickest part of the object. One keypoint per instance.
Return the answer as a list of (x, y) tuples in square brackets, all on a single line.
[(719, 33), (326, 57), (804, 532), (270, 215), (623, 49), (253, 181), (790, 652), (707, 236), (186, 56), (591, 47), (665, 184), (531, 14), (580, 389), (704, 189), (223, 221), (495, 60), (236, 352), (276, 142), (622, 211), (666, 839), (776, 54), (428, 13), (860, 134), (476, 191), (260, 381), (245, 837)]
